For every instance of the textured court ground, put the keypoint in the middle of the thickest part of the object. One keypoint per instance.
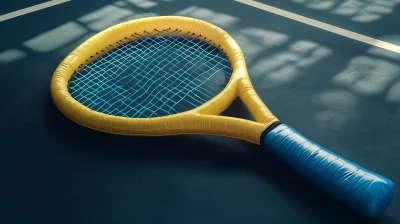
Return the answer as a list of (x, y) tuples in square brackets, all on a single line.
[(339, 92)]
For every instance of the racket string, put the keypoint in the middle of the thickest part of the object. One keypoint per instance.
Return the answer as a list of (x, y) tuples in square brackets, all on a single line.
[(152, 76), (101, 73), (180, 71), (149, 80)]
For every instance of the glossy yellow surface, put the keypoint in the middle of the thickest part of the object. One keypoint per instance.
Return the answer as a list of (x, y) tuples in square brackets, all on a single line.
[(203, 120)]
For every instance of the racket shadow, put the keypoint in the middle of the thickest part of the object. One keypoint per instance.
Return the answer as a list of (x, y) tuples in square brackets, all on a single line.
[(195, 153), (188, 151), (293, 185)]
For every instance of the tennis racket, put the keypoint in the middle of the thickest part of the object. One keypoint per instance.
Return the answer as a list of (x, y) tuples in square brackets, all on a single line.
[(174, 75)]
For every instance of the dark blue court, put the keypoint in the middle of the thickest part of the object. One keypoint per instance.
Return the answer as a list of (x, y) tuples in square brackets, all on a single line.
[(340, 92)]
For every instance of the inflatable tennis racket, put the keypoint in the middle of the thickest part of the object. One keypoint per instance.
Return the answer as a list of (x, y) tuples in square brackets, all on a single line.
[(174, 75)]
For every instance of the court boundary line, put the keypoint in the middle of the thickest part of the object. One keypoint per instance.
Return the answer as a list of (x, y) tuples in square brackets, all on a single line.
[(323, 26), (31, 9)]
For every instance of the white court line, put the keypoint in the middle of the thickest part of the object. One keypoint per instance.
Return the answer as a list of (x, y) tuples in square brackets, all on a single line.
[(31, 9), (324, 26)]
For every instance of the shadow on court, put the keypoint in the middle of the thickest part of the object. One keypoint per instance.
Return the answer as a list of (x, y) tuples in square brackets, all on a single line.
[(340, 93), (371, 18)]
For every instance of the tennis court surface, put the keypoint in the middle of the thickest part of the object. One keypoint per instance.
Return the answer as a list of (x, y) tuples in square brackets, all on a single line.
[(330, 69)]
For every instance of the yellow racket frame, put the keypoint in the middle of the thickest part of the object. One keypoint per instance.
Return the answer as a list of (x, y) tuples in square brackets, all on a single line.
[(204, 119)]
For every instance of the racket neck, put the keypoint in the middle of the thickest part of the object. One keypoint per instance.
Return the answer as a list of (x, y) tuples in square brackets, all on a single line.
[(257, 108)]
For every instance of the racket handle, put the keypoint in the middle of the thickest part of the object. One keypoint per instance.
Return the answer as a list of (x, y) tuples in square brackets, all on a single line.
[(361, 189)]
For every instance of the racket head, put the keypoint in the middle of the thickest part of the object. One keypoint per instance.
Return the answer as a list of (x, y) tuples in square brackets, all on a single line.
[(78, 74)]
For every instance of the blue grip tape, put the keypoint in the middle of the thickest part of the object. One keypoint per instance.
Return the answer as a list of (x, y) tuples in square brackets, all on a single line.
[(361, 189)]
